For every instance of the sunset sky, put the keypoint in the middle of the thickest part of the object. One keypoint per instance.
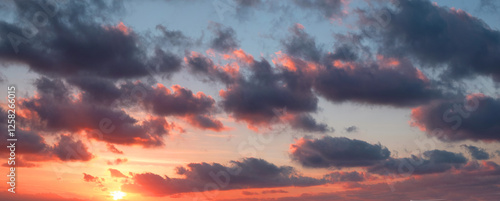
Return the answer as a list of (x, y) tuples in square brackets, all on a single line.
[(249, 100)]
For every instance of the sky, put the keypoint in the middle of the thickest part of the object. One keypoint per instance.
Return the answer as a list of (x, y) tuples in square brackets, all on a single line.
[(251, 100)]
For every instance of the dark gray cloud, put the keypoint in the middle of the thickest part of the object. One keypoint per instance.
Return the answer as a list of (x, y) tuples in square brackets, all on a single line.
[(255, 98), (348, 48), (475, 117), (302, 45), (307, 123), (206, 69), (374, 83), (255, 95), (434, 161), (104, 96), (35, 149), (160, 100), (205, 122), (441, 156), (55, 95), (477, 153), (438, 36), (224, 38), (55, 110), (33, 143), (248, 173), (351, 73), (197, 109), (81, 42), (337, 152), (176, 101), (69, 149), (351, 129), (96, 90)]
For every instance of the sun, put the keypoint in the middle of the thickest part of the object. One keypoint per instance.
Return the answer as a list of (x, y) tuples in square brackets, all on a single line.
[(117, 195)]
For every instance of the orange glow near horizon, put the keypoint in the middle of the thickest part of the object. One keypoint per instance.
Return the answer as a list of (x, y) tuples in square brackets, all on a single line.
[(117, 195)]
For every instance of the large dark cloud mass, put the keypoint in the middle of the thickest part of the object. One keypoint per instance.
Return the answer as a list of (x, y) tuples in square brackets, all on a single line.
[(68, 149), (53, 110), (79, 42), (342, 152), (100, 104), (439, 36), (476, 152), (34, 148), (255, 94), (256, 98), (198, 108), (374, 83), (337, 152), (248, 173), (34, 142), (178, 101), (475, 117), (348, 75)]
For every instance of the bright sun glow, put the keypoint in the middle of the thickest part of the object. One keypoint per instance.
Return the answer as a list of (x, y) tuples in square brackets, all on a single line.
[(117, 195)]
